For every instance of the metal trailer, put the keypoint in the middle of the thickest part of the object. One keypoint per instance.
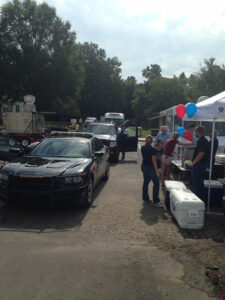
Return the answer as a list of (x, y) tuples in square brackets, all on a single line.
[(169, 118), (24, 127)]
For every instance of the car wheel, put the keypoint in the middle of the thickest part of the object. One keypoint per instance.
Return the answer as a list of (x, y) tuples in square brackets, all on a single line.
[(107, 171), (12, 142), (88, 194), (116, 156), (25, 142)]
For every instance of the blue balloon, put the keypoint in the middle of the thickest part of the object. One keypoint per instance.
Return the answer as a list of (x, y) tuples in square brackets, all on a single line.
[(191, 109), (181, 131)]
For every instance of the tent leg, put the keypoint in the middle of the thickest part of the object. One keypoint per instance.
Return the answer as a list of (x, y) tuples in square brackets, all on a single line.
[(210, 173), (211, 164)]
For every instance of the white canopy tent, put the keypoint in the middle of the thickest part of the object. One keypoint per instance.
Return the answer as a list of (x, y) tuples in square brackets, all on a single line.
[(211, 110)]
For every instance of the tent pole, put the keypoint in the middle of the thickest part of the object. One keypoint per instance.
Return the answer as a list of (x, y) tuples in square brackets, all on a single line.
[(211, 163), (173, 124)]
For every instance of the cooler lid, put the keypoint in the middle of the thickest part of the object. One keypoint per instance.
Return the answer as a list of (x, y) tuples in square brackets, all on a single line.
[(172, 184), (222, 180), (215, 184), (185, 199)]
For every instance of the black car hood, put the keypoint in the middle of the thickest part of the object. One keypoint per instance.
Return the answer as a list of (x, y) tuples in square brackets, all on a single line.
[(46, 166), (105, 137)]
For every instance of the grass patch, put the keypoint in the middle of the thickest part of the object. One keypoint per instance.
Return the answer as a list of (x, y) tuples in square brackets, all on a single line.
[(145, 132)]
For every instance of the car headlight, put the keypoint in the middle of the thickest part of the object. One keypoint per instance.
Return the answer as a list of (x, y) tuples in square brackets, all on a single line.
[(3, 176), (113, 144), (73, 180)]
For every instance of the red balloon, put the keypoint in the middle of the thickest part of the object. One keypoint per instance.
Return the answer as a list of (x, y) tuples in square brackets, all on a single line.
[(180, 111), (188, 135)]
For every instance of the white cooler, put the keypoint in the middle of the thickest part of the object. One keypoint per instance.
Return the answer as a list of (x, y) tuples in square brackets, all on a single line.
[(220, 158), (169, 186), (187, 209)]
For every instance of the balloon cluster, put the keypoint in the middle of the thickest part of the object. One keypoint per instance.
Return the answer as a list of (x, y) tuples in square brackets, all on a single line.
[(190, 109), (186, 134)]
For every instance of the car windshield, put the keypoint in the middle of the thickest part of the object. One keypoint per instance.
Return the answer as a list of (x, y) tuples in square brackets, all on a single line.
[(101, 129), (118, 122), (70, 148)]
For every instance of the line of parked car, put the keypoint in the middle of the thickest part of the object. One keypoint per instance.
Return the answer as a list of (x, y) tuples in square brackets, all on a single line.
[(66, 165)]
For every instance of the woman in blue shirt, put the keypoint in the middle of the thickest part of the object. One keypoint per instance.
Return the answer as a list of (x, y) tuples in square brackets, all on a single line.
[(150, 172)]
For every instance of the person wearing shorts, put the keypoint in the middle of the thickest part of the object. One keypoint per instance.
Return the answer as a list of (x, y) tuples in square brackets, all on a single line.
[(168, 155)]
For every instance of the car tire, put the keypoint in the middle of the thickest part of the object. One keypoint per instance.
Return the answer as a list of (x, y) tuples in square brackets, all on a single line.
[(25, 142), (12, 142), (116, 156), (88, 197), (107, 171)]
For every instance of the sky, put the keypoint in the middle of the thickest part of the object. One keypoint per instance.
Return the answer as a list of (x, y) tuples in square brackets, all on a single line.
[(177, 35)]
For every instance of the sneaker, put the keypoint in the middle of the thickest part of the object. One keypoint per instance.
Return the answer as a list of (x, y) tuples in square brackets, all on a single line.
[(146, 201), (158, 204)]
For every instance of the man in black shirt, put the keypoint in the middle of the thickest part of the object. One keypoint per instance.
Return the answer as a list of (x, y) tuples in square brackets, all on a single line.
[(122, 141), (200, 162), (215, 145)]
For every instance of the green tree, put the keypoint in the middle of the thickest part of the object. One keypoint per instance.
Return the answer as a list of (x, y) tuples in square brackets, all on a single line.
[(152, 72), (159, 94), (140, 104), (38, 54), (130, 85), (210, 80), (103, 87)]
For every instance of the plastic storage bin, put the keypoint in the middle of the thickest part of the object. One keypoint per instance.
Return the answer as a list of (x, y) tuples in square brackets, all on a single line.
[(187, 209), (169, 186), (216, 193)]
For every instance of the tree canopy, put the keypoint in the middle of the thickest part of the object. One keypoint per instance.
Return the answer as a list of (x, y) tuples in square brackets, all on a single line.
[(39, 55)]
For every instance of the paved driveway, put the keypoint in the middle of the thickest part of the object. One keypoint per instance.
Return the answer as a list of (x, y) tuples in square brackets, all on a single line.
[(107, 252)]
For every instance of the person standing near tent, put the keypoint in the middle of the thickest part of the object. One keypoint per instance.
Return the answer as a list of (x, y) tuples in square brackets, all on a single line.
[(168, 154), (164, 135), (189, 150), (200, 162), (150, 172), (215, 145)]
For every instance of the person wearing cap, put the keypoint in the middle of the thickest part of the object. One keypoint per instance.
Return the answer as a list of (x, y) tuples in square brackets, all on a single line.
[(164, 135), (189, 150)]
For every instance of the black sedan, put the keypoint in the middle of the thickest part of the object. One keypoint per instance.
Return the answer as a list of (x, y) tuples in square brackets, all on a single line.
[(58, 168)]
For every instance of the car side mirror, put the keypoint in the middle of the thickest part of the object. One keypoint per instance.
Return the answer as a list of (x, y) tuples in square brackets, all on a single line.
[(98, 154)]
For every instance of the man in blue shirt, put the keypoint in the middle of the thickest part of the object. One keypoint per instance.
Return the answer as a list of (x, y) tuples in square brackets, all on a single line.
[(164, 134)]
